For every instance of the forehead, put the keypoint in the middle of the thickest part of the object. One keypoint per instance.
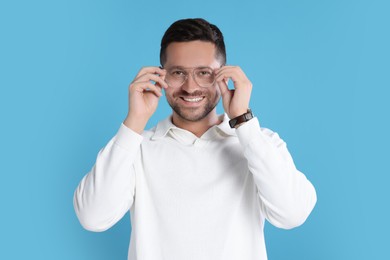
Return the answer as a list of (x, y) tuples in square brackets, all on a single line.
[(191, 54)]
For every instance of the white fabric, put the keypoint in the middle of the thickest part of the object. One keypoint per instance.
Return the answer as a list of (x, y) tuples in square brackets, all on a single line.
[(195, 198)]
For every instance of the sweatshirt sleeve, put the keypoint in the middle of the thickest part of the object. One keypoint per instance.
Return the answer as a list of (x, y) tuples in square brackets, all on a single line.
[(106, 193), (286, 196)]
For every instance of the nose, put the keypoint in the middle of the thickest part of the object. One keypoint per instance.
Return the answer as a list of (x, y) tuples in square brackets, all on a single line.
[(190, 85)]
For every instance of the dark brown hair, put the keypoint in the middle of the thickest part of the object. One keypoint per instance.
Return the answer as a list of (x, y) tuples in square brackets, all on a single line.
[(186, 30)]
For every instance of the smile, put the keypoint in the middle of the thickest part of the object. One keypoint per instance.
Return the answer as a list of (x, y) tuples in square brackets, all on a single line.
[(194, 100)]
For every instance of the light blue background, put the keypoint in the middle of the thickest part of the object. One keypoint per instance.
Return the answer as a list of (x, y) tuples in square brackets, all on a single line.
[(320, 71)]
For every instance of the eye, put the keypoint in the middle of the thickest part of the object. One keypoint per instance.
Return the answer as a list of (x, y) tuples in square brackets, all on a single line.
[(178, 73), (204, 73)]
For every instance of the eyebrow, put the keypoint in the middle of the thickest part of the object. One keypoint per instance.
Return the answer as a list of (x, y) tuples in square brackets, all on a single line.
[(182, 67)]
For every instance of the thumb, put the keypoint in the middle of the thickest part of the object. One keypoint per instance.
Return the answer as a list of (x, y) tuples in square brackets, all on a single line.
[(226, 94)]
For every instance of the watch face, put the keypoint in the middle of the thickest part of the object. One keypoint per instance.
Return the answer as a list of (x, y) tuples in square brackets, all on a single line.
[(232, 122)]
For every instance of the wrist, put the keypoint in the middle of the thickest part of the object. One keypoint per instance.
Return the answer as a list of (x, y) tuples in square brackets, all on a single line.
[(238, 113), (137, 124), (241, 119)]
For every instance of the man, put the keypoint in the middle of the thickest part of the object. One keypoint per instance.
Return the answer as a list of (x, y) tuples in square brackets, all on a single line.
[(196, 187)]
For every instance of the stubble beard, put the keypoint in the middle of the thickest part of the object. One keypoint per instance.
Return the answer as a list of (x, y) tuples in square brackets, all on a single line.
[(198, 113)]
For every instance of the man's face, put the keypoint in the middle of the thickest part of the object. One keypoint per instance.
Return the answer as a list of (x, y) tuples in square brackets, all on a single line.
[(191, 101)]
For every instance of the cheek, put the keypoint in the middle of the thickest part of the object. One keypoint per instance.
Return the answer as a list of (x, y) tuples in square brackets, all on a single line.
[(169, 94), (218, 95)]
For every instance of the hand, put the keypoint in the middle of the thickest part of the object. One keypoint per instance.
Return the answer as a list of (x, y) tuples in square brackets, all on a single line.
[(235, 101), (144, 96)]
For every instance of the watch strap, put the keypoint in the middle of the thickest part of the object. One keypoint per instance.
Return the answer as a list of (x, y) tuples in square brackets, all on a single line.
[(241, 119)]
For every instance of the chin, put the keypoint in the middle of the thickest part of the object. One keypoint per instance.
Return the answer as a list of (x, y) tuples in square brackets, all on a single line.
[(191, 115)]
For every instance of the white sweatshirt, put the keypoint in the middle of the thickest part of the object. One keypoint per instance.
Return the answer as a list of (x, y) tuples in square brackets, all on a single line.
[(195, 198)]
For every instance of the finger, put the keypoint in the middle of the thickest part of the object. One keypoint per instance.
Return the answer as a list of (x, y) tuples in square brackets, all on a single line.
[(146, 86), (236, 75), (150, 70), (153, 77), (224, 69), (225, 92), (161, 87), (223, 86), (226, 74)]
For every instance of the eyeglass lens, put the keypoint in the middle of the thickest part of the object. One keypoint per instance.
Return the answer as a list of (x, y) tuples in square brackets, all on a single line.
[(204, 77)]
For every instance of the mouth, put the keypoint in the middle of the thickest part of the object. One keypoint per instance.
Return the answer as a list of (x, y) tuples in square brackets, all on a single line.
[(193, 99), (192, 102)]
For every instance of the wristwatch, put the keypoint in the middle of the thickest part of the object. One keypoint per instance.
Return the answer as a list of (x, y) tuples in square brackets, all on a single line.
[(241, 119)]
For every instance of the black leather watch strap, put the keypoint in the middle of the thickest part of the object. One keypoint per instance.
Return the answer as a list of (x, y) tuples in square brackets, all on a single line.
[(241, 119)]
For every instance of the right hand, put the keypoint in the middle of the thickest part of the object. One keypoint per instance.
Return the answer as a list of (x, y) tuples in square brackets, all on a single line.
[(144, 96)]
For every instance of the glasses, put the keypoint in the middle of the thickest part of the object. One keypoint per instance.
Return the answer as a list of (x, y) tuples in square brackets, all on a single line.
[(203, 76)]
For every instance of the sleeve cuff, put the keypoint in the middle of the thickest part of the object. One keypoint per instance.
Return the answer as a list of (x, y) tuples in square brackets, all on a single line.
[(248, 131), (127, 138)]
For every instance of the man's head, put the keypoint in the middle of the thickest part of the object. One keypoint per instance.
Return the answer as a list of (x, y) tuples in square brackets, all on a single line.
[(190, 49), (187, 30)]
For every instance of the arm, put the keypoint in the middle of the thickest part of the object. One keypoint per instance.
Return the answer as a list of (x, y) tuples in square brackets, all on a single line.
[(286, 196), (106, 193)]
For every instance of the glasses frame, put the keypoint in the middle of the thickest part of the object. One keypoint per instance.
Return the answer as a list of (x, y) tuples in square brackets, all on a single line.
[(193, 69)]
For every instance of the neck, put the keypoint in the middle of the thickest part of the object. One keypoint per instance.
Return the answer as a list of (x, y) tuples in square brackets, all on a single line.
[(198, 128)]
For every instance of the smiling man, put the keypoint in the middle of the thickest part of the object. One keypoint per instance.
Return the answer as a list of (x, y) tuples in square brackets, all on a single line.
[(198, 185)]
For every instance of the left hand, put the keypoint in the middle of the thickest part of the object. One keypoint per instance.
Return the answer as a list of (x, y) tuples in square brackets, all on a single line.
[(235, 101)]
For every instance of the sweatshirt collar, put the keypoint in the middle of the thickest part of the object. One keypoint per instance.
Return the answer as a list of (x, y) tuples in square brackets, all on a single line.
[(166, 125)]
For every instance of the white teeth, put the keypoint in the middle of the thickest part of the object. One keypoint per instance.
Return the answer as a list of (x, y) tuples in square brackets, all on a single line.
[(193, 99)]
